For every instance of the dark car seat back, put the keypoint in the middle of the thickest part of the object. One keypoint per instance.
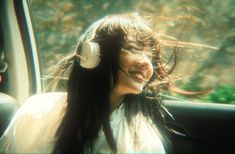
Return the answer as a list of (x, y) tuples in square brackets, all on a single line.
[(8, 107)]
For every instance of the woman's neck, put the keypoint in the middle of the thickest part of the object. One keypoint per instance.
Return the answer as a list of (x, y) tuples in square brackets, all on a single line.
[(116, 99)]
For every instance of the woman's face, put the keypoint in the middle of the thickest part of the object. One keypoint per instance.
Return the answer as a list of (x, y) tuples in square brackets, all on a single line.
[(135, 71)]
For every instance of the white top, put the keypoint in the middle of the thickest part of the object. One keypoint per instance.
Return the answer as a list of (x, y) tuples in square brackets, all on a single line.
[(33, 127)]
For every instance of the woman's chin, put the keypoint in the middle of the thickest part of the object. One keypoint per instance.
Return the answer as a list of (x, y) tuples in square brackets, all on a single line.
[(137, 90)]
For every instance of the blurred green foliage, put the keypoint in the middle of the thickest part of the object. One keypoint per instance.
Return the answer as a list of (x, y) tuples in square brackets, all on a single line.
[(222, 94)]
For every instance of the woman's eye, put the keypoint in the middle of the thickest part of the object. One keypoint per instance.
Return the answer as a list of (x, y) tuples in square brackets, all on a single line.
[(138, 52), (133, 50), (150, 54)]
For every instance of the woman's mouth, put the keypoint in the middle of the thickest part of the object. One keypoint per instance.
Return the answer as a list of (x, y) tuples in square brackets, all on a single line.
[(137, 76)]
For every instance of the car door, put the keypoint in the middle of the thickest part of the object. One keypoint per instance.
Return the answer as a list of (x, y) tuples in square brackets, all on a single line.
[(199, 127)]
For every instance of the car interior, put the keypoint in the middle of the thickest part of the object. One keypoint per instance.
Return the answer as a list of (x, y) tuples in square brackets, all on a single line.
[(197, 127), (201, 127), (8, 104), (19, 69)]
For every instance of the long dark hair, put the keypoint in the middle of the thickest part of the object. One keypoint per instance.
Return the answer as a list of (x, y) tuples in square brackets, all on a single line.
[(88, 104)]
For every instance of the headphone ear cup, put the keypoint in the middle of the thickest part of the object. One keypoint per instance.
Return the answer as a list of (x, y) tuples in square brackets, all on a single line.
[(90, 55)]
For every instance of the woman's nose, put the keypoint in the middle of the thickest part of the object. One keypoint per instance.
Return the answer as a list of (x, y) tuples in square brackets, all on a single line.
[(143, 63)]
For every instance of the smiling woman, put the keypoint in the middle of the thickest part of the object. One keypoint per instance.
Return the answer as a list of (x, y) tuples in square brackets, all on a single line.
[(112, 102), (115, 75), (111, 74)]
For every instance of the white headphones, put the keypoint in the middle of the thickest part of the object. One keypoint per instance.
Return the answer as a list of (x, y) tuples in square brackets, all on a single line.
[(89, 54), (90, 50)]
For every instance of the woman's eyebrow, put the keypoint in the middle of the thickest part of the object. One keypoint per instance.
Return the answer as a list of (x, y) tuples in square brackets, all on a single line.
[(134, 45), (144, 51)]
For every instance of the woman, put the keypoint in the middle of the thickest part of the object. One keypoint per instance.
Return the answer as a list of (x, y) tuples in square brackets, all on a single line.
[(112, 102)]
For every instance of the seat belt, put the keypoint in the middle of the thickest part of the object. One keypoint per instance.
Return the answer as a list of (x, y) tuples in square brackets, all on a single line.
[(3, 63)]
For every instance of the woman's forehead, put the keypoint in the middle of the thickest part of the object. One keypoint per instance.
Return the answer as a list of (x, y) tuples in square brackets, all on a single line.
[(138, 40)]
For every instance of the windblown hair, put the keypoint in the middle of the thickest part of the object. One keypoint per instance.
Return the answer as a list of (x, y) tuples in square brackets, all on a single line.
[(88, 104)]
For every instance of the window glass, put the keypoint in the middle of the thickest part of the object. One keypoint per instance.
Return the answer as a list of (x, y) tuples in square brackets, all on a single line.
[(205, 30)]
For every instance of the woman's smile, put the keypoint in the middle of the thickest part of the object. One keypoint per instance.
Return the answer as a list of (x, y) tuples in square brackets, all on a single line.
[(138, 76)]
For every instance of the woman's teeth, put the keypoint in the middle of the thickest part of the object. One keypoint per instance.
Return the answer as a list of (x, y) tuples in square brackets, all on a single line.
[(139, 75)]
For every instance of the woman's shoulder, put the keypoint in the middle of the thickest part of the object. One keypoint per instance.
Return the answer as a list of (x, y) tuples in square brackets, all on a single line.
[(43, 102), (33, 127), (48, 95), (38, 108), (48, 98)]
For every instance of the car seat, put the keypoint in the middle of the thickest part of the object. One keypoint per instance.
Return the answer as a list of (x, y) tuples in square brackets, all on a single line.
[(8, 106)]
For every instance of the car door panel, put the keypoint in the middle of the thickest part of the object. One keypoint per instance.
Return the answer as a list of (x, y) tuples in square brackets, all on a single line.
[(200, 127)]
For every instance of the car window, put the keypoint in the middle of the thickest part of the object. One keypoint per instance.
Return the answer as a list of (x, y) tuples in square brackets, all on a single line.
[(205, 31)]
